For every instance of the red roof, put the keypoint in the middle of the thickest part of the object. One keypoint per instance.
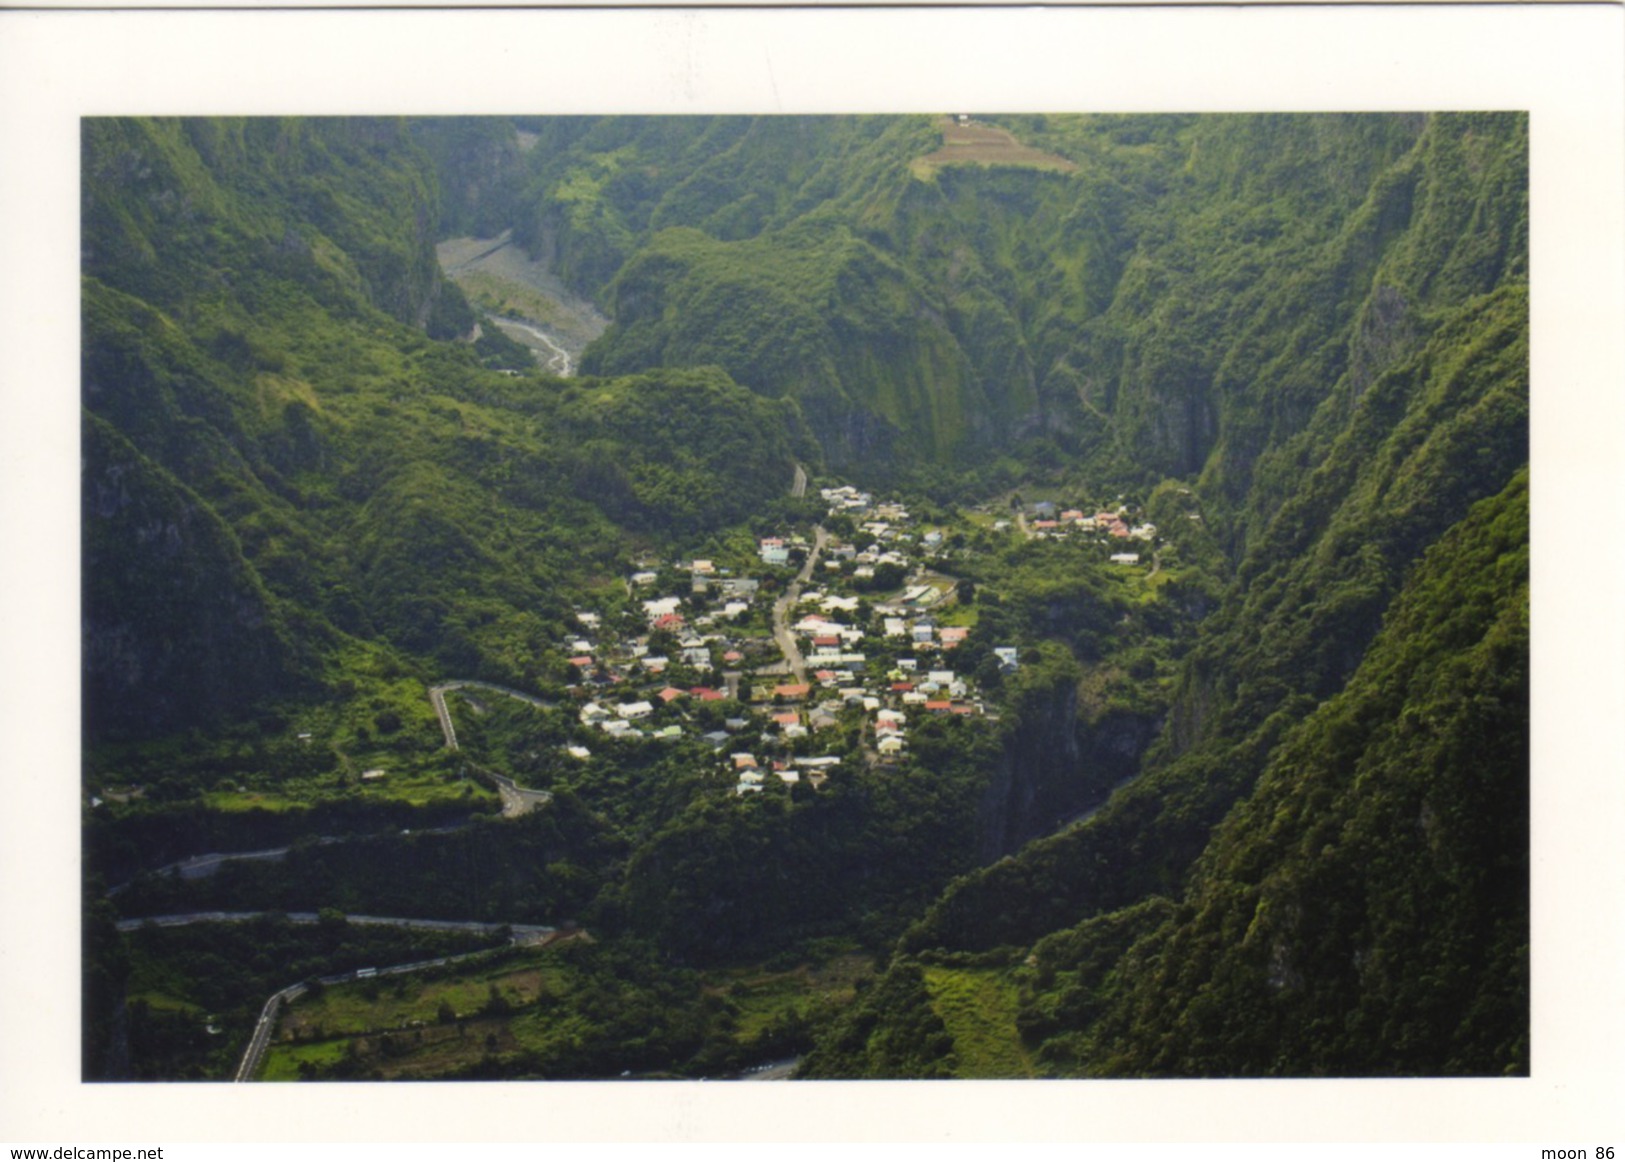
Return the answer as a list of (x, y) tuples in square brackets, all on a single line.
[(668, 621), (939, 705), (582, 661), (670, 693), (787, 718), (902, 687), (706, 694), (793, 690), (827, 639)]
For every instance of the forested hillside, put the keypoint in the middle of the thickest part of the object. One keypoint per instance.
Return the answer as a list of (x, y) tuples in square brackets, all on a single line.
[(1248, 799), (255, 306)]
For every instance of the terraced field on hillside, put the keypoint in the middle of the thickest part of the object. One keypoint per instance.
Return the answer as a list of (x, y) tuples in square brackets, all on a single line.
[(972, 143)]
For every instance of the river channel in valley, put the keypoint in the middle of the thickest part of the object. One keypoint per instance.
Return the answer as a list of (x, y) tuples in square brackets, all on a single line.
[(524, 298)]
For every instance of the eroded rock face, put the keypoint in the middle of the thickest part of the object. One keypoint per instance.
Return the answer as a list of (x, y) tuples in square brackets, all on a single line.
[(176, 629), (1056, 767)]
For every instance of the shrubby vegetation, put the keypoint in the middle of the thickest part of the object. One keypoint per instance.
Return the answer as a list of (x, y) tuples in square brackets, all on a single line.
[(196, 991), (1322, 929), (1292, 739)]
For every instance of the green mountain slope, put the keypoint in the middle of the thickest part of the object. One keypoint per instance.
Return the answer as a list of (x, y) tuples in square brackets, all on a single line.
[(178, 628), (255, 306), (1365, 910), (1195, 297), (1298, 344)]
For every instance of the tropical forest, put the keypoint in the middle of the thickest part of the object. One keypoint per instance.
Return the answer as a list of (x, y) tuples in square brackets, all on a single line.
[(968, 595)]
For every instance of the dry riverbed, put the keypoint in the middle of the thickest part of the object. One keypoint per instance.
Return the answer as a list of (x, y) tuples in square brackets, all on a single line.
[(534, 306)]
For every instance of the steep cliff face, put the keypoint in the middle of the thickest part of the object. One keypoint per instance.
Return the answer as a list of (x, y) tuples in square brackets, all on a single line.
[(177, 628), (1366, 910), (175, 208), (1040, 775), (821, 317), (1180, 299), (477, 160), (1055, 765)]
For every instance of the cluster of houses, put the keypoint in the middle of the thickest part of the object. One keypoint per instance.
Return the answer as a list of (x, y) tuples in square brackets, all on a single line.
[(1049, 520), (874, 668)]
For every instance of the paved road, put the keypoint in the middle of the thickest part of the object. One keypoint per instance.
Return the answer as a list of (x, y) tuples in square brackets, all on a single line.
[(798, 486), (197, 867), (483, 927), (782, 607), (254, 1054), (516, 800), (772, 1071), (437, 698)]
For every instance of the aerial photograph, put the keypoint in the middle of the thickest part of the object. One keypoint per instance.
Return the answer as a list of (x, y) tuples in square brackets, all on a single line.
[(967, 595)]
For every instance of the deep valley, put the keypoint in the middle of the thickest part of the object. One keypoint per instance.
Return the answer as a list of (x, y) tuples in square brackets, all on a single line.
[(827, 597)]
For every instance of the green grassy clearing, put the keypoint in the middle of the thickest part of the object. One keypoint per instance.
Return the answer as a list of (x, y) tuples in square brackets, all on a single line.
[(763, 996), (282, 1061), (979, 1008)]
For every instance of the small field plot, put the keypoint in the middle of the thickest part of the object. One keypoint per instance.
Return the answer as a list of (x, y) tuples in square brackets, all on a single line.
[(976, 144), (979, 1008), (764, 998)]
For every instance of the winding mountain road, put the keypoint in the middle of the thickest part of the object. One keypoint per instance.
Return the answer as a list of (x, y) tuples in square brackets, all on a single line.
[(483, 927), (254, 1054), (516, 800)]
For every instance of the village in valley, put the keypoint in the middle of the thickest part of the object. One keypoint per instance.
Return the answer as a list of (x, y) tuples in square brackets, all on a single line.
[(818, 653)]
